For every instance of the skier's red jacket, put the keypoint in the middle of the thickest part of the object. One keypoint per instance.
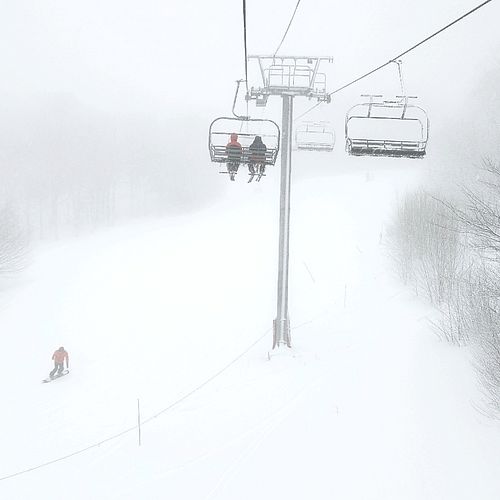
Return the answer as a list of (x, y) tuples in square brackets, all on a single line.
[(234, 141), (233, 149), (60, 356)]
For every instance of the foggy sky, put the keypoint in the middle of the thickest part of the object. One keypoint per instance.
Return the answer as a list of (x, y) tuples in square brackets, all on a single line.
[(92, 86), (186, 55)]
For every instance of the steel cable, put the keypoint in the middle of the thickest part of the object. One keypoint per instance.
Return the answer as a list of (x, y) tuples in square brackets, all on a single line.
[(399, 56), (288, 27)]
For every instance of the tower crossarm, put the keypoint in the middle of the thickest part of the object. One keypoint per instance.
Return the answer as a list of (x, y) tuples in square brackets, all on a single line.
[(291, 75)]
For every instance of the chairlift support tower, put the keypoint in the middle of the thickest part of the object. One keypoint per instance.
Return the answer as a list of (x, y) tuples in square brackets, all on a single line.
[(287, 77)]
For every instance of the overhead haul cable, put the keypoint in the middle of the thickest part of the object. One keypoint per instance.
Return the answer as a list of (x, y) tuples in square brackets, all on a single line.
[(395, 58), (245, 41), (288, 27)]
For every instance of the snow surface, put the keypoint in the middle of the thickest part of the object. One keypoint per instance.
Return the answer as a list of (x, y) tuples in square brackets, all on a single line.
[(368, 404)]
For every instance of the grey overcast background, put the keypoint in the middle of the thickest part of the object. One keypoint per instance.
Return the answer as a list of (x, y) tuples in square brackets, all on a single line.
[(104, 114), (98, 90)]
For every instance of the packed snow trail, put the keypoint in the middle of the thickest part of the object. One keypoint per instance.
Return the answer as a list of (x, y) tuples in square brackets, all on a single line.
[(367, 404)]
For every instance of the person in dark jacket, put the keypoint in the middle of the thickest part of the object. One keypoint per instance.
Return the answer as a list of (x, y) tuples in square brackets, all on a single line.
[(233, 151), (257, 158)]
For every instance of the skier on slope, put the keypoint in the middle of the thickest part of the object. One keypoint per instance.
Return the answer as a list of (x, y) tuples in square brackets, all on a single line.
[(59, 356)]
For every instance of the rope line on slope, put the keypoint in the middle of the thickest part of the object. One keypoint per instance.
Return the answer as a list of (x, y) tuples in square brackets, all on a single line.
[(143, 422), (149, 419)]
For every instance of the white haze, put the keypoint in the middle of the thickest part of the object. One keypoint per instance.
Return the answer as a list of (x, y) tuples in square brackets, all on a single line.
[(104, 114), (140, 69)]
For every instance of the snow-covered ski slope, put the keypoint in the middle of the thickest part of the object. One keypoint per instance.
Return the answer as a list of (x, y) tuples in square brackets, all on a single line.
[(368, 405)]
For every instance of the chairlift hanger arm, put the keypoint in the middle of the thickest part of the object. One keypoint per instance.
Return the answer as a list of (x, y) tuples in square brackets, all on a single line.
[(399, 63), (238, 83)]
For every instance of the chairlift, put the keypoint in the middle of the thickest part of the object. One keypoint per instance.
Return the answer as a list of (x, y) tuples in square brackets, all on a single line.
[(380, 127), (247, 129), (315, 136), (387, 128)]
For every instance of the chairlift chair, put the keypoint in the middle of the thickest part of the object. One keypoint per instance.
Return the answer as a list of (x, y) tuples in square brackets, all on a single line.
[(315, 136), (387, 128), (247, 129)]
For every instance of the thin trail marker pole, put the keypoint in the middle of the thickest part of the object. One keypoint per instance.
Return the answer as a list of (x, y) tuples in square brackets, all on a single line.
[(310, 273), (139, 420)]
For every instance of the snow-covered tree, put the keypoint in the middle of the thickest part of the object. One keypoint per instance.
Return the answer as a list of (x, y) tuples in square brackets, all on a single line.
[(13, 242)]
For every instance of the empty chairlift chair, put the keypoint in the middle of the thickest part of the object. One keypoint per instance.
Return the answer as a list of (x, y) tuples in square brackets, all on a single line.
[(247, 130), (387, 128), (315, 136)]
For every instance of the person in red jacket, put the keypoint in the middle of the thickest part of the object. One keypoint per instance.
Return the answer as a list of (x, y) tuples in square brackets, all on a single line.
[(59, 356), (233, 151)]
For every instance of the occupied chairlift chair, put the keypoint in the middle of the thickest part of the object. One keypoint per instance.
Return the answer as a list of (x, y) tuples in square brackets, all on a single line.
[(247, 129), (380, 127), (315, 136)]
